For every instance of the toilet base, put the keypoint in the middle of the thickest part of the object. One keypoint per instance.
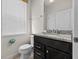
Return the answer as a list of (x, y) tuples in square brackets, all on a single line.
[(24, 56)]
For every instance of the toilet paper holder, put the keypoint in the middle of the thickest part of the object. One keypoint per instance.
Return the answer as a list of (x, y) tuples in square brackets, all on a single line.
[(11, 41)]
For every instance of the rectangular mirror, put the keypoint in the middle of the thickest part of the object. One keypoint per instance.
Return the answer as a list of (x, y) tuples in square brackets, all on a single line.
[(58, 15)]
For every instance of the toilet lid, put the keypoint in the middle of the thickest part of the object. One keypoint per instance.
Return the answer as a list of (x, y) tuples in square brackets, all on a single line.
[(26, 46)]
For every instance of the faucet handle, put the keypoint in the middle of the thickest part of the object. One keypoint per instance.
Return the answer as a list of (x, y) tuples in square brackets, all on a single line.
[(49, 31), (54, 30)]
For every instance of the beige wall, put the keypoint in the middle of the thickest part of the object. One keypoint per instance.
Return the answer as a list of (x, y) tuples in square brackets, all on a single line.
[(37, 10), (9, 50)]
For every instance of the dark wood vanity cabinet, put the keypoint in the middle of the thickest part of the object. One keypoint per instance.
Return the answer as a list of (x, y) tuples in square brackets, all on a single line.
[(46, 48), (52, 53)]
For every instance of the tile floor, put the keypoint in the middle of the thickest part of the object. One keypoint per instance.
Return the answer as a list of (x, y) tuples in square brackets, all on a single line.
[(18, 56)]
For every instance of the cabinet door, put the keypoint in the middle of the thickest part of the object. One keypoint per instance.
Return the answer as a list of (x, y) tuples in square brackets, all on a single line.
[(52, 53)]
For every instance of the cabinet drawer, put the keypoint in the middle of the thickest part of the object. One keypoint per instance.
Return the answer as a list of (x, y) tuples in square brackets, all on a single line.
[(39, 46), (38, 39), (37, 57), (38, 54)]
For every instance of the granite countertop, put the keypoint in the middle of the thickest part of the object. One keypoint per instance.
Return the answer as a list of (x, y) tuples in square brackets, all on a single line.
[(62, 37)]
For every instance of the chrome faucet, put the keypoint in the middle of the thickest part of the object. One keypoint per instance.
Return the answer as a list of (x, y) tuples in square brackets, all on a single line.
[(56, 31), (49, 31)]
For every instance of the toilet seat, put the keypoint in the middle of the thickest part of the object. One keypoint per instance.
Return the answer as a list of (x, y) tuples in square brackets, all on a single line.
[(26, 46)]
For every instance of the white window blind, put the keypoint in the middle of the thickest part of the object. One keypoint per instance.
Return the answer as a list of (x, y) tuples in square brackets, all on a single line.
[(14, 17)]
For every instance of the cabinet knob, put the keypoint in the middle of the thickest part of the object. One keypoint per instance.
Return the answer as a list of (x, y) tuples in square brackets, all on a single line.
[(47, 51)]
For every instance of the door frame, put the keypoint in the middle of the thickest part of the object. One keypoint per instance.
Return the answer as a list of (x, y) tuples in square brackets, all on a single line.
[(75, 28)]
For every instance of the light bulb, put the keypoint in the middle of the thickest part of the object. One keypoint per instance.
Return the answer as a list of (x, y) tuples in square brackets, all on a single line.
[(51, 1)]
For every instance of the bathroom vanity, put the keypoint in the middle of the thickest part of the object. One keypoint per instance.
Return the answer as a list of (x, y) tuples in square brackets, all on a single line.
[(55, 16), (51, 48)]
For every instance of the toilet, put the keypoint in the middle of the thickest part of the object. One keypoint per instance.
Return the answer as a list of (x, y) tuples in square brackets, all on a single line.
[(26, 50)]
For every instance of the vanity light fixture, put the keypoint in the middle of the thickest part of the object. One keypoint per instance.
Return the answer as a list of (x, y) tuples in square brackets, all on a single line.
[(26, 1), (51, 1)]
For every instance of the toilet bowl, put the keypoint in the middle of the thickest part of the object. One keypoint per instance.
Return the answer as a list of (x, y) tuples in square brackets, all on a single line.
[(25, 51)]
